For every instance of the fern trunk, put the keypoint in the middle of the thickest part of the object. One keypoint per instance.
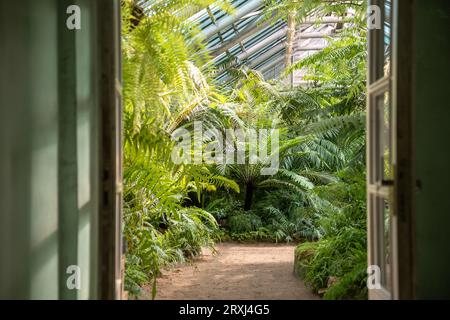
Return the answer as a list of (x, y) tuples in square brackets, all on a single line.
[(249, 189)]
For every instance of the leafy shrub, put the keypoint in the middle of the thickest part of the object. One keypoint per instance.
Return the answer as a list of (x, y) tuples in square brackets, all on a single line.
[(334, 257), (261, 234), (244, 222), (340, 254), (351, 286), (149, 249)]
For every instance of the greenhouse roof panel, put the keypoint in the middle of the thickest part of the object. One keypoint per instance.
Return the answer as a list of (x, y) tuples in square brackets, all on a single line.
[(244, 36)]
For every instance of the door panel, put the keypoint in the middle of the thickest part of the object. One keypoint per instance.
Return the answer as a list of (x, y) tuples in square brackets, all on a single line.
[(389, 152), (380, 164)]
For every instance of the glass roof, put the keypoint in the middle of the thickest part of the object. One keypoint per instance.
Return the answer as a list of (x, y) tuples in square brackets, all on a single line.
[(245, 36)]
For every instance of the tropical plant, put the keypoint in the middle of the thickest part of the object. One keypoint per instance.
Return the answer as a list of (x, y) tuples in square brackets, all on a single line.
[(322, 164), (163, 89), (173, 209)]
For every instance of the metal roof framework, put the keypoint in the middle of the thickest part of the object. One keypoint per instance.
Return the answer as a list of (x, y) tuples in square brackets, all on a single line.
[(247, 37)]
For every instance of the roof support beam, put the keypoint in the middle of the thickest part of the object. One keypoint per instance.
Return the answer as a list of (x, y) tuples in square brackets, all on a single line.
[(275, 62), (244, 34), (316, 35), (264, 67), (229, 19), (267, 55), (258, 46), (255, 28)]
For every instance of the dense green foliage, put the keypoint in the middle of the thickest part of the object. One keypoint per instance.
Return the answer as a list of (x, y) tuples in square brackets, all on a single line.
[(162, 88), (340, 254), (336, 263), (172, 210)]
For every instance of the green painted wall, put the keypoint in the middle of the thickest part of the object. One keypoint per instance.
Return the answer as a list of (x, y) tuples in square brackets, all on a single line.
[(87, 146), (49, 150), (432, 88)]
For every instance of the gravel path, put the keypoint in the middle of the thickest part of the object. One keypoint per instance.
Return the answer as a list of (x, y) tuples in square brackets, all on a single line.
[(236, 271)]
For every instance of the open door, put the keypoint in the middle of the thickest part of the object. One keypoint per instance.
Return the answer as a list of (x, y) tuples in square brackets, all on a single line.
[(110, 238), (389, 152)]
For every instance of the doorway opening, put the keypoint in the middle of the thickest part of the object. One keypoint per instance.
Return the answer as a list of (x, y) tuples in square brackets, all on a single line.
[(244, 121)]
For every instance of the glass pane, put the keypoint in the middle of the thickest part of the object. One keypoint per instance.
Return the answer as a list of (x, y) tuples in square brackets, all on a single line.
[(387, 27), (380, 45), (385, 236), (384, 152), (382, 241)]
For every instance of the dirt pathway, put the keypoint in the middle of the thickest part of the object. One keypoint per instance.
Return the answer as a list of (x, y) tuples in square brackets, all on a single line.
[(237, 271)]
